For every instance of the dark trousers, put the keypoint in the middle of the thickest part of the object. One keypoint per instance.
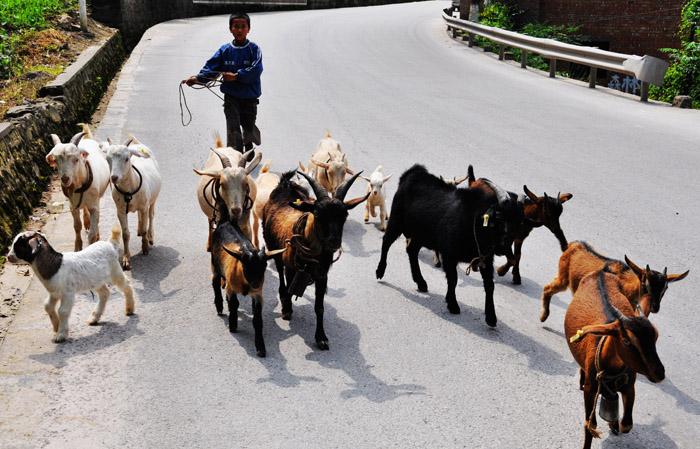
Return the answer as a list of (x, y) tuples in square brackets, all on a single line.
[(241, 131)]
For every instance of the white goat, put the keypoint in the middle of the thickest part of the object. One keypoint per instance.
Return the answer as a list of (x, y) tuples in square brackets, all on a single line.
[(377, 197), (266, 183), (135, 188), (226, 181), (84, 175), (65, 274), (328, 165)]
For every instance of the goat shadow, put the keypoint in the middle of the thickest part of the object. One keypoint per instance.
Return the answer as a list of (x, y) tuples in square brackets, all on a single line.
[(645, 435), (353, 237), (540, 357), (683, 400), (346, 355), (109, 334), (151, 270)]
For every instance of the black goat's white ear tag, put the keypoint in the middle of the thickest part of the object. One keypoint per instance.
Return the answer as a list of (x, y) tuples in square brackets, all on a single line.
[(486, 220)]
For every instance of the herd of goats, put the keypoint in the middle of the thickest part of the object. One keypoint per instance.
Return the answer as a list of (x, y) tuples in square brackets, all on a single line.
[(303, 214)]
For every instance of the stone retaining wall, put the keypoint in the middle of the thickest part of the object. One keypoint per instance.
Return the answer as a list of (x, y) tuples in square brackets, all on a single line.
[(24, 138)]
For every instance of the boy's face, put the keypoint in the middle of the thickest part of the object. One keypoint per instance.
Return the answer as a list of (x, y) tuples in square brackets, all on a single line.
[(239, 29)]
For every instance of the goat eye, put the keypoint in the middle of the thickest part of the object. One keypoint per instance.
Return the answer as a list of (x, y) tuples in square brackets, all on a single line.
[(626, 342)]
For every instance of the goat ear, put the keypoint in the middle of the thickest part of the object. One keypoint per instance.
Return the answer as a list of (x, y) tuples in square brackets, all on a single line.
[(352, 203), (141, 152), (531, 195), (458, 181), (677, 277), (366, 178), (302, 167), (270, 254), (213, 173), (55, 139), (597, 329), (323, 165), (638, 271), (254, 163), (50, 160), (128, 141), (565, 197), (84, 153), (350, 172), (387, 178), (644, 306), (302, 206), (234, 252)]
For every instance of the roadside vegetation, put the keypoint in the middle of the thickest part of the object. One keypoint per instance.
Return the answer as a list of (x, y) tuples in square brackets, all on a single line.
[(38, 40), (682, 77)]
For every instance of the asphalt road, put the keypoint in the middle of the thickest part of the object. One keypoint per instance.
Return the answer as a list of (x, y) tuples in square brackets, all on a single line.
[(395, 89)]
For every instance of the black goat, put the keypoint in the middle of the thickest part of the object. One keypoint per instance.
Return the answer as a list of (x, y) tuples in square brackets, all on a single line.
[(314, 232), (463, 225)]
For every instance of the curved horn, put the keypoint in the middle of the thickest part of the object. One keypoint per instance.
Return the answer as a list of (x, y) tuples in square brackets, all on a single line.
[(55, 139), (235, 253), (244, 158), (460, 180), (342, 189), (225, 161), (318, 189), (501, 194), (76, 138), (128, 142), (323, 165)]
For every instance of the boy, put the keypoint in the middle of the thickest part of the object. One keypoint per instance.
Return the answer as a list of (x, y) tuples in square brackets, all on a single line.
[(240, 63)]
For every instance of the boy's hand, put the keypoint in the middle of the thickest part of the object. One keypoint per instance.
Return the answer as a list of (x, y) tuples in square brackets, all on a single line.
[(229, 76), (190, 81)]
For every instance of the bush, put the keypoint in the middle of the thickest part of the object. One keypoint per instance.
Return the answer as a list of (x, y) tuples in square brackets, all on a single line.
[(683, 75)]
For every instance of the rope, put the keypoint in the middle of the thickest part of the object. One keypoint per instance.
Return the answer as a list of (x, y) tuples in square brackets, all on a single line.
[(211, 82), (480, 257), (129, 195), (603, 379), (85, 186)]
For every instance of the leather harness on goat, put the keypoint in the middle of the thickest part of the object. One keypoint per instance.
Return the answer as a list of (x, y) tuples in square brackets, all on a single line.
[(85, 186), (214, 185), (129, 195), (612, 383)]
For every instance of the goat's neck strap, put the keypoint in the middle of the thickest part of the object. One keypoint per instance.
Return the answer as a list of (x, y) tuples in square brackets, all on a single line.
[(129, 195), (213, 185), (85, 186), (480, 259)]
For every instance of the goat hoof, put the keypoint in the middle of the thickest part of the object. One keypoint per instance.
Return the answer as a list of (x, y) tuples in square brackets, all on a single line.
[(59, 338), (287, 316), (92, 321), (232, 325), (323, 344), (491, 321), (614, 427), (422, 286), (544, 315), (502, 270), (516, 281), (261, 353), (453, 309), (381, 268), (624, 428)]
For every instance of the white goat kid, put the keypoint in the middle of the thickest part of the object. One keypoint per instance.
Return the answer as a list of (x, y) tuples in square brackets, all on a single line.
[(226, 181), (84, 176), (265, 183), (328, 165), (65, 274), (135, 187), (377, 197)]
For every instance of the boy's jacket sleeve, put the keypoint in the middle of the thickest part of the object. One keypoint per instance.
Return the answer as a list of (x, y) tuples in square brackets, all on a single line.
[(251, 73), (212, 68)]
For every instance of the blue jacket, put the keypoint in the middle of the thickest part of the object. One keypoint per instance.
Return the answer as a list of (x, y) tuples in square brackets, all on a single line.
[(245, 61)]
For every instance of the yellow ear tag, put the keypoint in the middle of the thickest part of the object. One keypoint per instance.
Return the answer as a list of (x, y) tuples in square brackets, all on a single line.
[(145, 151), (297, 202), (576, 337), (486, 220)]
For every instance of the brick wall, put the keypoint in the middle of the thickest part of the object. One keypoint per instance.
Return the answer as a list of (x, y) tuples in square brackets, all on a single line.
[(630, 26)]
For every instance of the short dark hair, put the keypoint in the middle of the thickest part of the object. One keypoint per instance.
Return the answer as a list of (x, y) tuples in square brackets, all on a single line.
[(238, 15)]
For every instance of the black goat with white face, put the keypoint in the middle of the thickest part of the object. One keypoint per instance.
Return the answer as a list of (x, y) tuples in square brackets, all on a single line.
[(463, 225)]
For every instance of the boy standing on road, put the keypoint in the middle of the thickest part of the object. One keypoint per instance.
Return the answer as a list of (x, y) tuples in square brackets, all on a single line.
[(240, 63)]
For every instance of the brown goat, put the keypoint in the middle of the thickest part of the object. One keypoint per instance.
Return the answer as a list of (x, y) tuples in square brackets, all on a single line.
[(580, 258), (539, 210), (611, 345), (314, 232)]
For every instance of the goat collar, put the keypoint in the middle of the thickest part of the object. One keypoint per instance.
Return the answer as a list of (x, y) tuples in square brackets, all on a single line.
[(129, 195), (478, 261), (85, 186), (611, 383)]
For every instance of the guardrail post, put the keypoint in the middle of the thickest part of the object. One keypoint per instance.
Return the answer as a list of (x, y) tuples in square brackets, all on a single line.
[(472, 39), (454, 32), (552, 68), (523, 59), (501, 51), (594, 76), (645, 91)]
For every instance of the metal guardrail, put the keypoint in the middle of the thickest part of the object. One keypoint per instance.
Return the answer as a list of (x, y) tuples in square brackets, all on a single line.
[(647, 69), (251, 2)]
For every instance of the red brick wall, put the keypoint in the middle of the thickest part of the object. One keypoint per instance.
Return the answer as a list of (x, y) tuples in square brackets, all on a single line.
[(631, 26)]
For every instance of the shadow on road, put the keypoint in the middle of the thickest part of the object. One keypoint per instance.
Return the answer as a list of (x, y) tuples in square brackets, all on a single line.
[(151, 270), (645, 435)]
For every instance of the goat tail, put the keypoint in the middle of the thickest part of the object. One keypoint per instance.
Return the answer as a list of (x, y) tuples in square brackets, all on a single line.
[(133, 139), (470, 174), (217, 140), (303, 168), (86, 130), (266, 166), (328, 134), (116, 238)]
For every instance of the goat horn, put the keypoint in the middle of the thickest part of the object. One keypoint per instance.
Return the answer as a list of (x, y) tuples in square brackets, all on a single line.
[(460, 180), (128, 142), (235, 253), (342, 189), (225, 161), (318, 189), (501, 194), (323, 165), (76, 138), (244, 158)]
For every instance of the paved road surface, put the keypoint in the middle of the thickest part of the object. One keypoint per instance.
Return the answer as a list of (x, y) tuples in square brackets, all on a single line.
[(391, 85)]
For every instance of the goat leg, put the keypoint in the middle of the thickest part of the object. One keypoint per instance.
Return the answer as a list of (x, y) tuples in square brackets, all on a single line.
[(103, 295), (258, 325), (450, 267), (92, 225), (489, 308), (628, 404), (590, 427), (232, 301), (218, 299), (412, 250), (64, 310), (77, 227), (321, 339), (50, 307), (285, 297)]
